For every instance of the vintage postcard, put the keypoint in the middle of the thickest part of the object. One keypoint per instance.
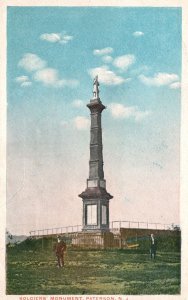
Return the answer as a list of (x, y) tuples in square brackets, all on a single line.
[(94, 150)]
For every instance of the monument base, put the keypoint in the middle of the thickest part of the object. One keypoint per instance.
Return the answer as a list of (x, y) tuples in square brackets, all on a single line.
[(93, 240)]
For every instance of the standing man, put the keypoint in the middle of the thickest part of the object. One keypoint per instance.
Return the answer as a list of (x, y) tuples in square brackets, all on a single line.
[(153, 247), (59, 249), (95, 87)]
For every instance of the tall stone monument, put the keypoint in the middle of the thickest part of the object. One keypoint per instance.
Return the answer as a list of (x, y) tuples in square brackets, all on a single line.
[(95, 197)]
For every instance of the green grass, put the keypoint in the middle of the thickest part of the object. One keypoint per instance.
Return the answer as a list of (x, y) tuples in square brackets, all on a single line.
[(31, 269)]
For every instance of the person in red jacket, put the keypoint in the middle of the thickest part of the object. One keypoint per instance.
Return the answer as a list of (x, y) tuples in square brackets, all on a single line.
[(60, 248)]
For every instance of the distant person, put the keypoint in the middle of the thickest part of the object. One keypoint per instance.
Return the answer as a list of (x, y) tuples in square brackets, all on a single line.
[(60, 248), (153, 247)]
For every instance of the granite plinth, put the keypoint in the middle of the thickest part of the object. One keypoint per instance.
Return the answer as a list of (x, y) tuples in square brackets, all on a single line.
[(93, 240)]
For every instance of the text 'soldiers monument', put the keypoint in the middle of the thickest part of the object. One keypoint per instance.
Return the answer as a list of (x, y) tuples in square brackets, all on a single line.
[(95, 197)]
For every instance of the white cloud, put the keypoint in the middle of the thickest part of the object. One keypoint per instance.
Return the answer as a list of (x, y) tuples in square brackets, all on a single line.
[(159, 79), (41, 73), (61, 38), (21, 79), (31, 62), (175, 85), (50, 77), (107, 58), (72, 83), (138, 33), (81, 123), (66, 38), (140, 115), (120, 111), (78, 103), (124, 62), (106, 76), (26, 83), (51, 37), (103, 51)]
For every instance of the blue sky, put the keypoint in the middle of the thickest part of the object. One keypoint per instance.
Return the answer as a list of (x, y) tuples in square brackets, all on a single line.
[(53, 55)]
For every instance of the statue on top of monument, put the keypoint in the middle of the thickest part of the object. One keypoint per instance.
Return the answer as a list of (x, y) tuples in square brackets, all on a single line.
[(95, 88)]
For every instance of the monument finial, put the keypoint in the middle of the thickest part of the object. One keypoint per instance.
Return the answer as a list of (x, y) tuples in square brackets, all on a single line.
[(95, 88)]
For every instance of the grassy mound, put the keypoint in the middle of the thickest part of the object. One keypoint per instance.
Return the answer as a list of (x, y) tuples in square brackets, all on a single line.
[(32, 269)]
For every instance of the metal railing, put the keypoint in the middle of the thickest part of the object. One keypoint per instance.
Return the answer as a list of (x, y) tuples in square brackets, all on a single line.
[(114, 226), (56, 231), (139, 225)]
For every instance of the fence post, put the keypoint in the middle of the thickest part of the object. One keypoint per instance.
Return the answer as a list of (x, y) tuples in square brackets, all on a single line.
[(120, 242)]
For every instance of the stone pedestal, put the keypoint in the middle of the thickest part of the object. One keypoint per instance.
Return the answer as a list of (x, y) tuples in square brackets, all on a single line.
[(93, 240)]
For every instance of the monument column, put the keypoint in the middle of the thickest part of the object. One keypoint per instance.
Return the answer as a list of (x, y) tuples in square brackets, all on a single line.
[(95, 197)]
